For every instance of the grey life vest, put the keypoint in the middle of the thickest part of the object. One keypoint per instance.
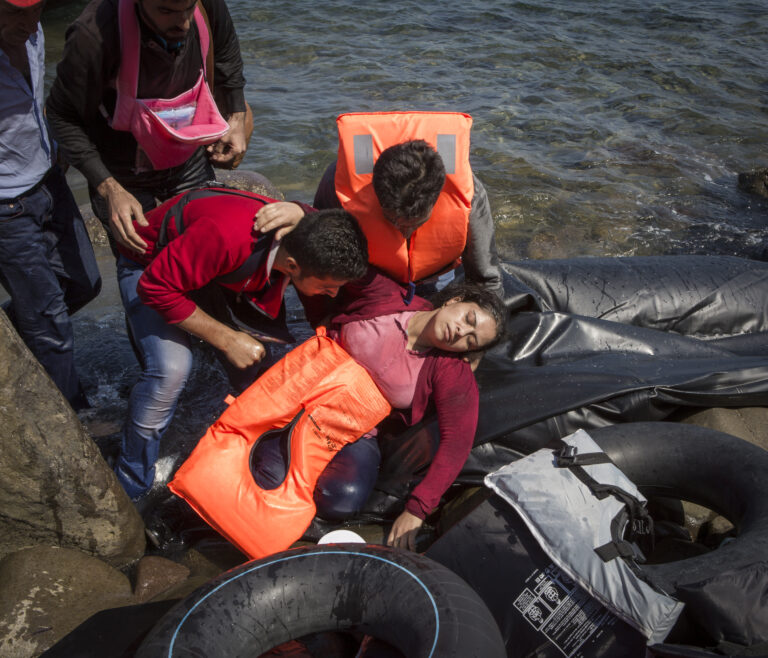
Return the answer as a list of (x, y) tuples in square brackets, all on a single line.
[(579, 507)]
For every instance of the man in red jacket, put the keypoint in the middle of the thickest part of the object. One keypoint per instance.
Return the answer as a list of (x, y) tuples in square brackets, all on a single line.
[(206, 272)]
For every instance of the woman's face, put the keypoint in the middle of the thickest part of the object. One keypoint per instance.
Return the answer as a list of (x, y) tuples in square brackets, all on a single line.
[(461, 327)]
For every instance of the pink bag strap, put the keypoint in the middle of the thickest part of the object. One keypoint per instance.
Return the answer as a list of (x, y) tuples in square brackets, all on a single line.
[(130, 49)]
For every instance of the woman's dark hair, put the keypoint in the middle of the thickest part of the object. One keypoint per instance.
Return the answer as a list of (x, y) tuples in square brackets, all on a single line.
[(485, 299), (328, 243), (408, 179)]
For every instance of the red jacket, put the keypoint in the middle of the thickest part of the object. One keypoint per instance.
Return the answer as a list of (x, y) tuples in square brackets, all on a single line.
[(444, 379), (218, 238)]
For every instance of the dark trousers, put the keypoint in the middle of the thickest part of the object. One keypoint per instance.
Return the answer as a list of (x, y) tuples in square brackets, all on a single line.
[(342, 488), (48, 267)]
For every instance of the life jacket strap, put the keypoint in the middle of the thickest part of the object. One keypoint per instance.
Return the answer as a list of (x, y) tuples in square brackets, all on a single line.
[(568, 456)]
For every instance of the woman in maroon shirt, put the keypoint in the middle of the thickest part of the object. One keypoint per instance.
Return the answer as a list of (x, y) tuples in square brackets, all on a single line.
[(416, 353)]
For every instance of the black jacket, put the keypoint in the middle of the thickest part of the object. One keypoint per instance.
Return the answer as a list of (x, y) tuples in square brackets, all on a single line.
[(84, 90)]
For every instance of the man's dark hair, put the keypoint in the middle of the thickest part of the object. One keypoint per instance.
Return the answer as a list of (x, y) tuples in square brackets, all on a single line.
[(408, 178), (328, 243), (485, 299)]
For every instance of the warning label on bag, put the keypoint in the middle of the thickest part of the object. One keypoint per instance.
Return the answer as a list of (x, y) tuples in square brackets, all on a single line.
[(561, 610)]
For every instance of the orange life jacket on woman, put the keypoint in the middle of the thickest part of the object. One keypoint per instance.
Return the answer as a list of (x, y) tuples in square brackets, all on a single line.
[(435, 246), (319, 399)]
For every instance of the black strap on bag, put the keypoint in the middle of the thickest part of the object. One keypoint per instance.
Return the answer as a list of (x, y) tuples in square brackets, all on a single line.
[(632, 527), (176, 212)]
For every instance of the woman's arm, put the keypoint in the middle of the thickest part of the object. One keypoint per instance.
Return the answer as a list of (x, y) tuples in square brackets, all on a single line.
[(456, 398)]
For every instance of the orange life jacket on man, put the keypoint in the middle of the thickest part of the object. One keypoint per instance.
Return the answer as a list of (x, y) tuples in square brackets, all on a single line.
[(318, 399), (435, 246)]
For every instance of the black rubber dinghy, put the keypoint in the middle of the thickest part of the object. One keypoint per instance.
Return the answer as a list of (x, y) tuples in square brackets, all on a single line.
[(407, 600)]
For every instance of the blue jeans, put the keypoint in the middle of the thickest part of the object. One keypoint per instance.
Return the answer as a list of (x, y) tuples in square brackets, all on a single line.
[(166, 359), (48, 267)]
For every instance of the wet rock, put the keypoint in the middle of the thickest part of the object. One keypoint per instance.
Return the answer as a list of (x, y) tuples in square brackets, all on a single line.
[(748, 423), (93, 225), (55, 487), (250, 181), (155, 574), (47, 592), (755, 181)]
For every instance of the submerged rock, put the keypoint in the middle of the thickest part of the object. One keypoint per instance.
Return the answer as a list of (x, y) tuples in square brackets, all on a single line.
[(55, 487), (755, 181)]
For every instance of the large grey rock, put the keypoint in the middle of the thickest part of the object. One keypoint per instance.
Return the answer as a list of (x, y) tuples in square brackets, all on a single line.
[(55, 487), (47, 592), (748, 423)]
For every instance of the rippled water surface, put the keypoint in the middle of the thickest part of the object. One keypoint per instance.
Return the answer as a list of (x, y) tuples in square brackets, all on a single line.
[(611, 128)]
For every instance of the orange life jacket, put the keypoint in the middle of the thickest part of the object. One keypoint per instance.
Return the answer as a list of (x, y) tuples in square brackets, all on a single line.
[(320, 399), (435, 246)]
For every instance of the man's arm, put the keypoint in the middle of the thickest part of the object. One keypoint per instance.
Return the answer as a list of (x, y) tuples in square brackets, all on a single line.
[(229, 85), (240, 348), (480, 259), (189, 263), (325, 196), (73, 103)]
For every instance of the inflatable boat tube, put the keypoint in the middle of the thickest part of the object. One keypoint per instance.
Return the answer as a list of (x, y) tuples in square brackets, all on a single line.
[(725, 590), (405, 599), (602, 341)]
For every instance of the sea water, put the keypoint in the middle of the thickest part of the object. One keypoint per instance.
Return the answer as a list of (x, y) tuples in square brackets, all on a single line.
[(610, 128), (600, 128)]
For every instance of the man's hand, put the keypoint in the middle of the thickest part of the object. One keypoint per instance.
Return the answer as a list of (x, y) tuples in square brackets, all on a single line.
[(123, 209), (404, 531), (243, 350), (283, 216), (229, 151)]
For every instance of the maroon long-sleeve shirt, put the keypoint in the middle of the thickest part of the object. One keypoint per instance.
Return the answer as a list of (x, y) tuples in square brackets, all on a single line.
[(445, 380)]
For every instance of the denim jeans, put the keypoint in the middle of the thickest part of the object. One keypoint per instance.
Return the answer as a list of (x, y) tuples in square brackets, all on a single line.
[(48, 267), (166, 359)]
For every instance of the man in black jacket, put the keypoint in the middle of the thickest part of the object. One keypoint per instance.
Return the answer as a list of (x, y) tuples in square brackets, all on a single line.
[(122, 183)]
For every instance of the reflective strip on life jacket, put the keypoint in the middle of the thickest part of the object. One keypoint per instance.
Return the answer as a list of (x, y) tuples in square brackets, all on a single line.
[(321, 399), (438, 244), (578, 514)]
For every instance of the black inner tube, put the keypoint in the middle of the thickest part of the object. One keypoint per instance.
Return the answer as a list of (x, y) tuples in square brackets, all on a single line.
[(703, 466)]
